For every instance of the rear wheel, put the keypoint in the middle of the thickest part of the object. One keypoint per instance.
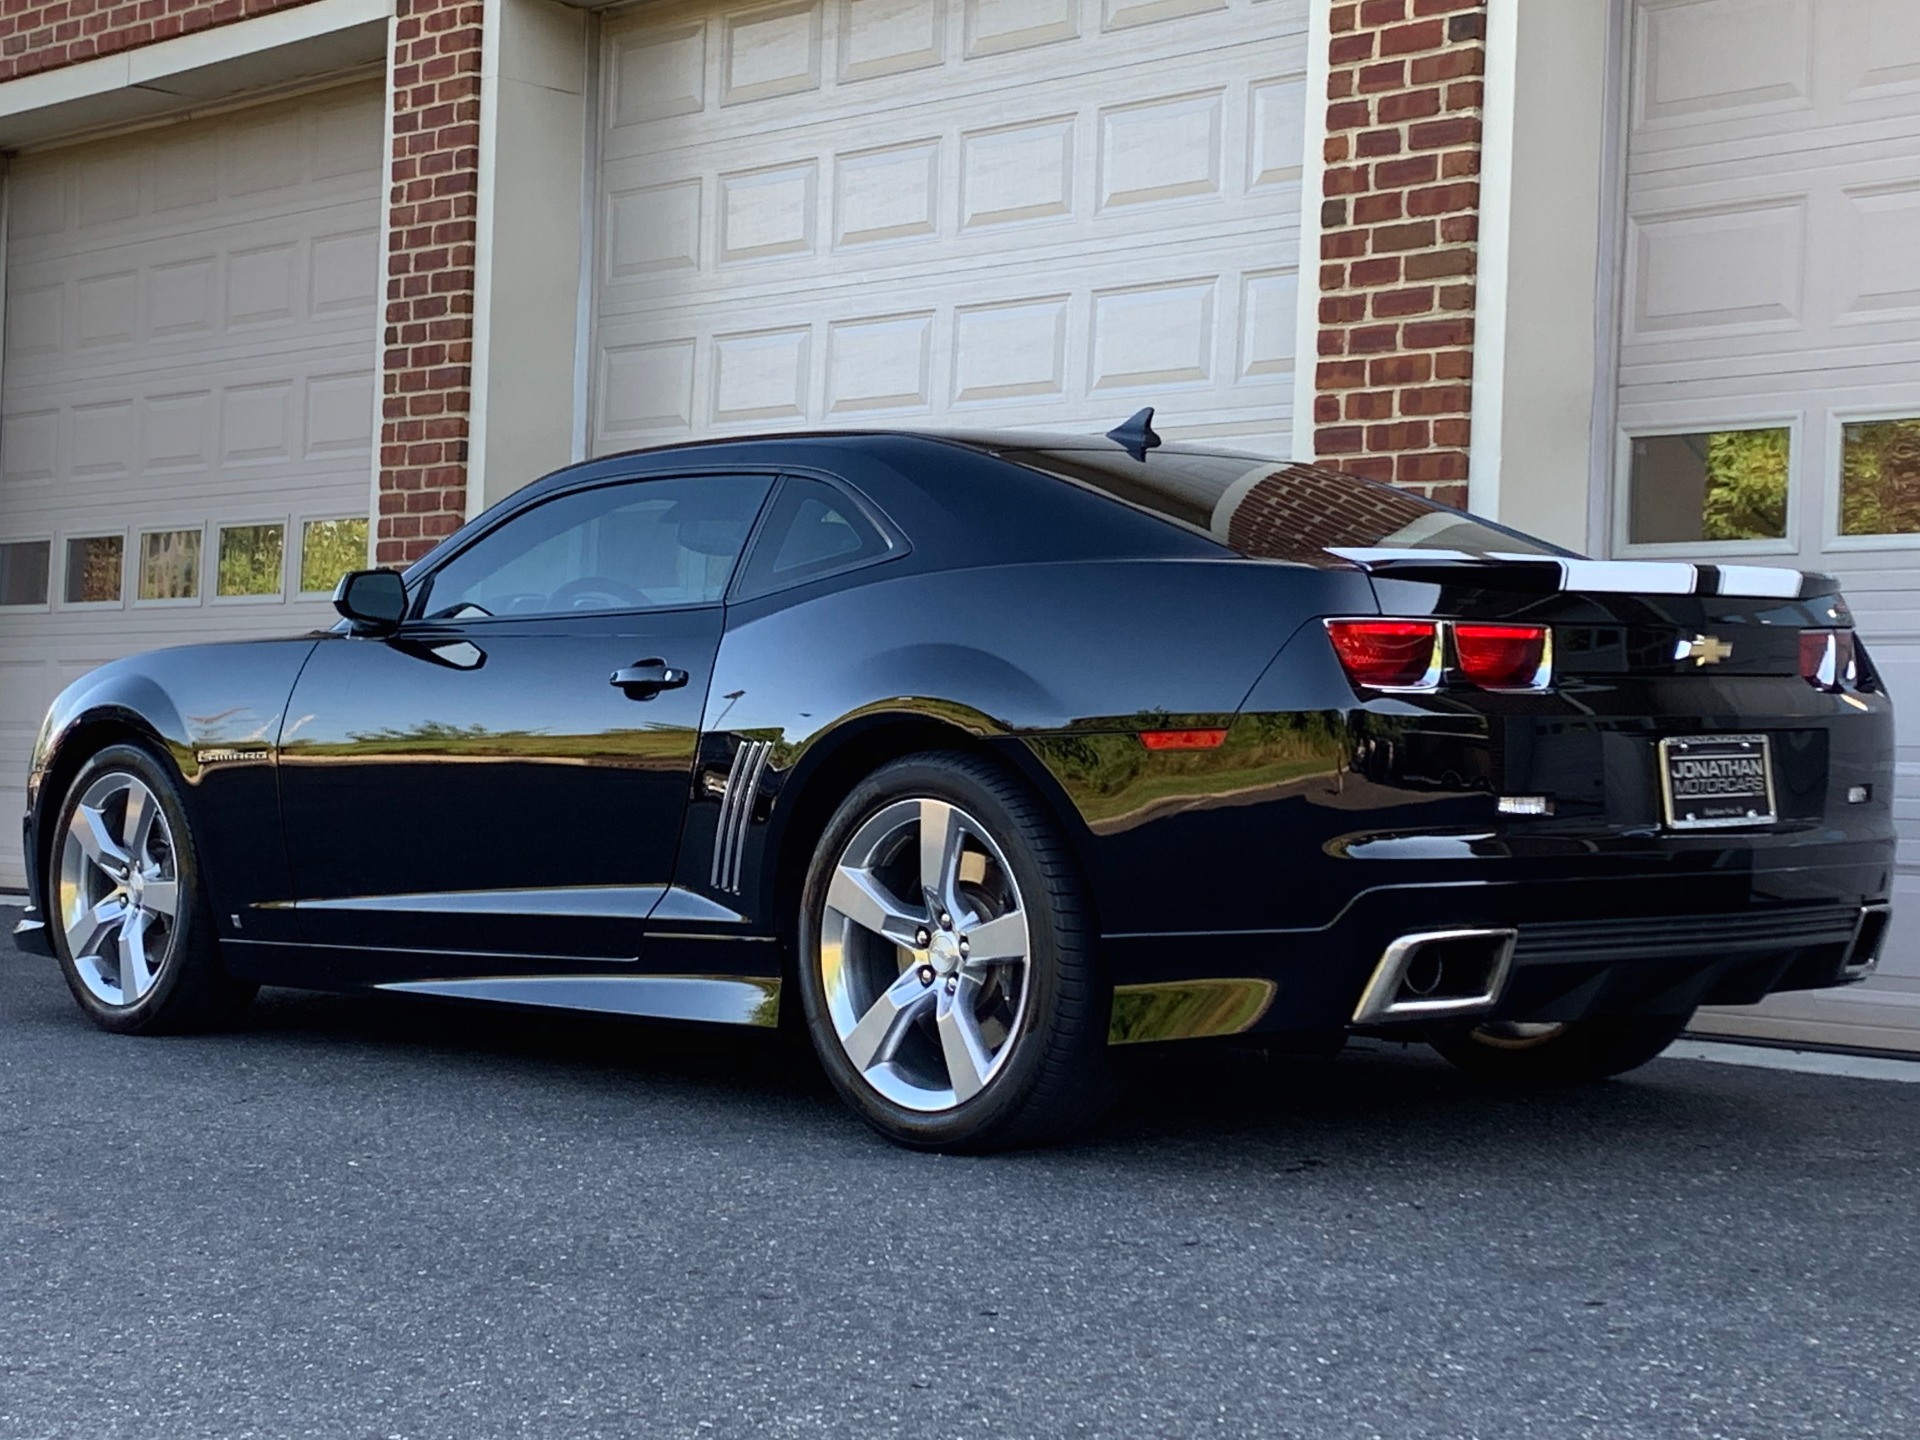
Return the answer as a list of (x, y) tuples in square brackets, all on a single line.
[(945, 962), (1570, 1054), (129, 924)]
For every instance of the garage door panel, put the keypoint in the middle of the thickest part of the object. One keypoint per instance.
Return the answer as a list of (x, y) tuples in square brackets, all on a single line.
[(1773, 275), (190, 343), (694, 74), (978, 212), (942, 197), (1202, 344)]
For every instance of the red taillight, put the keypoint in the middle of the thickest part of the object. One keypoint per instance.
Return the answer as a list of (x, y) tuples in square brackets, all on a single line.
[(1183, 739), (1826, 659), (1505, 657), (1388, 654)]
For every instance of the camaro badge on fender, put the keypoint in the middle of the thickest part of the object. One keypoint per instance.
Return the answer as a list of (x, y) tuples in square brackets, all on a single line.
[(1702, 650)]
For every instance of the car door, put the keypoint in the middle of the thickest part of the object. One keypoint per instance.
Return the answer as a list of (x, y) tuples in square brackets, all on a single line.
[(507, 775)]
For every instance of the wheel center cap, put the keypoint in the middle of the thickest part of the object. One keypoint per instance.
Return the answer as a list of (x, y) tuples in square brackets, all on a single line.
[(136, 888), (944, 953)]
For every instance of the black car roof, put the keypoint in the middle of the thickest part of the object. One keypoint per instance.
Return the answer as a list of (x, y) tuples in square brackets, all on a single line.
[(991, 442)]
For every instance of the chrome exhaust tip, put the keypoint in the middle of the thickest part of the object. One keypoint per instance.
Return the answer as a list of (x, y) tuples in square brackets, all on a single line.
[(1436, 973), (1869, 934)]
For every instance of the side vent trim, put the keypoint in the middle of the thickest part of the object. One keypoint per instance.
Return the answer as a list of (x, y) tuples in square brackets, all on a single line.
[(736, 813)]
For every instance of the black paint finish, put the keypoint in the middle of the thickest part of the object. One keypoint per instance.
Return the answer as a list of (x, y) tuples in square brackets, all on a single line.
[(471, 798)]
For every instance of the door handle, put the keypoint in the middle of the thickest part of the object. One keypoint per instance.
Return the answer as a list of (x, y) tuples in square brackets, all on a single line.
[(647, 679)]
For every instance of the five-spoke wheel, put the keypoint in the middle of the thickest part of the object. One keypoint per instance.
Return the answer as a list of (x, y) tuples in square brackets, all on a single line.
[(136, 950), (944, 963), (923, 953), (119, 888)]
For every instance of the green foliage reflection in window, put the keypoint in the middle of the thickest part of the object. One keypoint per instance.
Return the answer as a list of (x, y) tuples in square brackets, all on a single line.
[(1746, 485), (1880, 478), (328, 550), (250, 559), (1710, 485)]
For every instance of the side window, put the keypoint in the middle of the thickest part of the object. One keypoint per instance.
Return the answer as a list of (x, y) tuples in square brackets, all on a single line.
[(647, 544), (813, 530)]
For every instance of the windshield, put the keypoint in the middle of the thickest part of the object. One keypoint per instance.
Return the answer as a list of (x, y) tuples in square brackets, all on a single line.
[(1273, 511)]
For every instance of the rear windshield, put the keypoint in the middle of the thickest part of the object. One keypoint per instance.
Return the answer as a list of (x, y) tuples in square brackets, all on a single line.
[(1278, 511)]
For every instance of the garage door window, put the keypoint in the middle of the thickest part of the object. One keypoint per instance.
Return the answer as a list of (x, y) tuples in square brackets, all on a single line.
[(251, 562), (23, 572), (94, 568), (1880, 477), (1709, 486), (328, 550), (169, 566)]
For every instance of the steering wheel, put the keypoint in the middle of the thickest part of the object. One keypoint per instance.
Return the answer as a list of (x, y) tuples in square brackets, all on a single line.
[(569, 595)]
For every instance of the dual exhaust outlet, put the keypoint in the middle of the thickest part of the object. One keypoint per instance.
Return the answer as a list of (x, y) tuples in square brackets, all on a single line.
[(1434, 974)]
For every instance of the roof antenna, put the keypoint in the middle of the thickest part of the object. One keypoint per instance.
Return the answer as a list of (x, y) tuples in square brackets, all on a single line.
[(1136, 437)]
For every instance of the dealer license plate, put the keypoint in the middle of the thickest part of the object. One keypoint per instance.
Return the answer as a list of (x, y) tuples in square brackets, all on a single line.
[(1716, 781)]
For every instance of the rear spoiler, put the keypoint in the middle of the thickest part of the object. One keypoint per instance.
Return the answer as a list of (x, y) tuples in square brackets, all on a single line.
[(1546, 574)]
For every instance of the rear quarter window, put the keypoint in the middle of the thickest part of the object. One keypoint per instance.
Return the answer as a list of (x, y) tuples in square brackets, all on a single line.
[(1273, 511), (813, 530)]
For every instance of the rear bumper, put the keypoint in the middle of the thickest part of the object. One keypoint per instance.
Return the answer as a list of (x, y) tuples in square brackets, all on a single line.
[(1575, 948)]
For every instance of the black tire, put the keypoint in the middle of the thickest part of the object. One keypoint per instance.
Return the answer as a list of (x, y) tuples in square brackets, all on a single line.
[(1572, 1054), (191, 990), (1055, 1078)]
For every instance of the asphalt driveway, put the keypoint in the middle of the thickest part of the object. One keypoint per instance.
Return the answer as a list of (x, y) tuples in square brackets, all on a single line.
[(373, 1218)]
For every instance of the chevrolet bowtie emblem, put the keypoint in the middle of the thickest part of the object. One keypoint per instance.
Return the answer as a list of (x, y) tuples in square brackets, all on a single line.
[(1702, 650)]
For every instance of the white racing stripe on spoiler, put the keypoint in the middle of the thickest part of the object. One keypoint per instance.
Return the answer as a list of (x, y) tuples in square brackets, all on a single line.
[(1629, 577), (1364, 556), (1761, 580), (1615, 577)]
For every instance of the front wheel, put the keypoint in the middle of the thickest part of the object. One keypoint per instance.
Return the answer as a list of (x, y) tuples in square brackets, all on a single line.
[(130, 928), (1570, 1054), (946, 967)]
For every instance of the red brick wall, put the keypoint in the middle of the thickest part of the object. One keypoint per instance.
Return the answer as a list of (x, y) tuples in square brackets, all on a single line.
[(1399, 238), (1297, 512), (427, 356), (40, 35)]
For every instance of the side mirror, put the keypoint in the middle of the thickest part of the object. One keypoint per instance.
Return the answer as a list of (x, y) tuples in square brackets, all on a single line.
[(374, 600)]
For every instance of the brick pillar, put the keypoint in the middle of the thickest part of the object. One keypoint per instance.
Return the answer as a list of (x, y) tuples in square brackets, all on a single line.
[(427, 344), (1399, 232)]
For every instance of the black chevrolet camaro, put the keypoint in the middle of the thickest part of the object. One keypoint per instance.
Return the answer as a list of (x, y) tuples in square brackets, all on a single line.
[(979, 756)]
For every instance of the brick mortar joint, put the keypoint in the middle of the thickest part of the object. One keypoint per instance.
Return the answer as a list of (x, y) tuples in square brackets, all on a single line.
[(1361, 141)]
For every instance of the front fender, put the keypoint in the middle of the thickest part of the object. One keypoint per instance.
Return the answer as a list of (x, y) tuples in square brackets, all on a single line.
[(215, 714)]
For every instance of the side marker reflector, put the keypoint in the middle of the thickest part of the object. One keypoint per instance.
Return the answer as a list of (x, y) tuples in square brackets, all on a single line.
[(1183, 739)]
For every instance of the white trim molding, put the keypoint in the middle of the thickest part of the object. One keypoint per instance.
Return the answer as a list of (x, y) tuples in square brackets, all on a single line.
[(1543, 168), (206, 68), (1313, 182)]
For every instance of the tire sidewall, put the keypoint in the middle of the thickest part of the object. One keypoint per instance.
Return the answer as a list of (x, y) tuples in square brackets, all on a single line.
[(1054, 946), (148, 1012), (1586, 1051)]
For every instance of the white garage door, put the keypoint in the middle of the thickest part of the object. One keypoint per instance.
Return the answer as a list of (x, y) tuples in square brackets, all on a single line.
[(1770, 380), (186, 394), (949, 212)]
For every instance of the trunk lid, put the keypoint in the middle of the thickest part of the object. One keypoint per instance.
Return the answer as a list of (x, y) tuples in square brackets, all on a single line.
[(1621, 618)]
